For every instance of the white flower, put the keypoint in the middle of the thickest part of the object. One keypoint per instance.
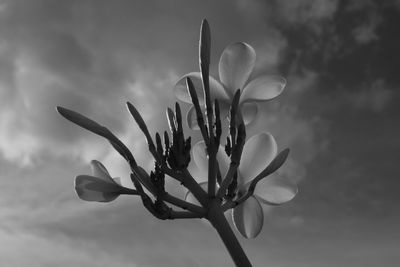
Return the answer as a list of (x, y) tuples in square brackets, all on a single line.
[(99, 187), (235, 66), (258, 152)]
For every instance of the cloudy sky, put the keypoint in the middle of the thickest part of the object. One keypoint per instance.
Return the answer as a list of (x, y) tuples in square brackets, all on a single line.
[(339, 114)]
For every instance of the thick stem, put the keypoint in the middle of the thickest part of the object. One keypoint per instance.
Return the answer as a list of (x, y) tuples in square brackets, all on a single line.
[(217, 218)]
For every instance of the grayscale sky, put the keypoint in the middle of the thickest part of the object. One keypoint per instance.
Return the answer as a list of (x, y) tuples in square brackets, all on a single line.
[(339, 114)]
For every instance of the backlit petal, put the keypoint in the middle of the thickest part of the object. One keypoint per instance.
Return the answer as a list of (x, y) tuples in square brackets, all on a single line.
[(248, 218), (182, 93), (249, 112), (258, 152), (98, 170), (235, 66), (92, 188), (263, 88), (191, 119), (200, 157), (117, 180), (224, 107), (275, 189)]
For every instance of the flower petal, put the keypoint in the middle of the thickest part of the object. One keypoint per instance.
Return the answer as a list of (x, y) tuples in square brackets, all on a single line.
[(117, 180), (224, 107), (258, 152), (92, 188), (191, 119), (182, 93), (248, 218), (275, 190), (98, 170), (249, 112), (200, 157), (235, 66), (263, 88)]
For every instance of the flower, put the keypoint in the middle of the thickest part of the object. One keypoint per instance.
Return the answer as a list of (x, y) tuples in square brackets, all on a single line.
[(258, 152), (235, 66), (99, 187)]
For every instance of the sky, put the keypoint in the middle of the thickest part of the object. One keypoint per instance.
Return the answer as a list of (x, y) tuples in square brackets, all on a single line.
[(339, 115)]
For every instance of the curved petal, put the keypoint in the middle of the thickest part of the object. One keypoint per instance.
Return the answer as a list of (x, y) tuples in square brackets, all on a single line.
[(224, 107), (98, 170), (92, 188), (235, 66), (182, 93), (257, 153), (248, 218), (249, 112), (189, 197), (275, 190), (117, 180), (200, 157), (263, 88)]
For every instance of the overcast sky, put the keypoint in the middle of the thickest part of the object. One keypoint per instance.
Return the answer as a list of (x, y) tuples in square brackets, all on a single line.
[(339, 114)]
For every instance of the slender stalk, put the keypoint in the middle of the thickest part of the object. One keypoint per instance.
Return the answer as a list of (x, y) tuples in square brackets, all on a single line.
[(212, 171), (217, 219), (183, 204), (228, 179)]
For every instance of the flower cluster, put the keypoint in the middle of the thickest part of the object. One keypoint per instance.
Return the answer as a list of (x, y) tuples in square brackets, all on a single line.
[(240, 175), (235, 67)]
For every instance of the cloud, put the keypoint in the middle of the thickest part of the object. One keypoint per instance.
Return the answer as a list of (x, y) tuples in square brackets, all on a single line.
[(375, 96), (369, 19), (270, 51), (26, 249), (311, 15), (60, 63), (306, 11)]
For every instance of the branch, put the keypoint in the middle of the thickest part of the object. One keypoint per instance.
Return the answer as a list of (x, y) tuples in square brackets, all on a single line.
[(184, 215), (237, 140), (98, 129), (199, 114), (144, 179), (142, 125), (183, 204), (233, 166), (204, 60), (218, 129)]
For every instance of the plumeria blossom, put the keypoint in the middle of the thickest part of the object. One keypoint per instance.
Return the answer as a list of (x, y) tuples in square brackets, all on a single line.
[(235, 66), (100, 187), (258, 152)]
